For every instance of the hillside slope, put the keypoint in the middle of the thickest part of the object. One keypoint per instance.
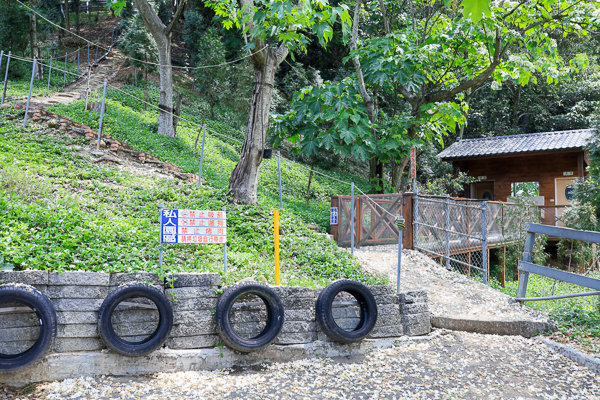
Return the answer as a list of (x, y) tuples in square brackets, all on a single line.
[(60, 211)]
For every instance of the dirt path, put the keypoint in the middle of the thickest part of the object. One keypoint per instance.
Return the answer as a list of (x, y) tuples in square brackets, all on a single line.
[(450, 294), (452, 365)]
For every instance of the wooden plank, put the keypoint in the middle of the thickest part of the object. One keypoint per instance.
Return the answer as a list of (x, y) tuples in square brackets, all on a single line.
[(566, 233), (564, 276), (382, 218)]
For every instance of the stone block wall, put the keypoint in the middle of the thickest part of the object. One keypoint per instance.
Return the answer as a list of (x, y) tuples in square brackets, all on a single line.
[(77, 297)]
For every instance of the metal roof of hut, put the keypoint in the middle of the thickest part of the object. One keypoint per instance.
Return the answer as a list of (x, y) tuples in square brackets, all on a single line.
[(526, 143)]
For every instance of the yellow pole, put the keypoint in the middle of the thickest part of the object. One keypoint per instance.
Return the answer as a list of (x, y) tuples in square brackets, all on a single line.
[(277, 247)]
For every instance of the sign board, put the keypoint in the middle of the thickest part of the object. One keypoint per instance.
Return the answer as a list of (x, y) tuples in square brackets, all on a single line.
[(568, 173), (413, 163), (333, 220), (193, 226)]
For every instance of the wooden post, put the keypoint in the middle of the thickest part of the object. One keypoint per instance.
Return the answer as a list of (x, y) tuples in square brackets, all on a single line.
[(276, 232), (527, 256), (308, 189)]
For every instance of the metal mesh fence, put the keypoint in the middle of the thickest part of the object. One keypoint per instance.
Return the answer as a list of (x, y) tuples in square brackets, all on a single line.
[(451, 230)]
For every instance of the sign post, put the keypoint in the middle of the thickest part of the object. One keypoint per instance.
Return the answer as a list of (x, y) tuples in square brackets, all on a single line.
[(413, 163), (194, 227)]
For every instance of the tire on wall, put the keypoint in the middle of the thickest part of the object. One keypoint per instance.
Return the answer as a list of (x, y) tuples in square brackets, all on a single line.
[(150, 343), (273, 324), (366, 302), (44, 310)]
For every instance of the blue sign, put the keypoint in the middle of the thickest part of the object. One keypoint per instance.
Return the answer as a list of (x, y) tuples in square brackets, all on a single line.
[(193, 226), (333, 216)]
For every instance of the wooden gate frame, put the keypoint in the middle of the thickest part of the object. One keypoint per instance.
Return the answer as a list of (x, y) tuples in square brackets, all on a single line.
[(363, 206)]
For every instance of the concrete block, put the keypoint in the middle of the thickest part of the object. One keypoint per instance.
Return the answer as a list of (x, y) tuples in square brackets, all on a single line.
[(419, 296), (192, 342), (294, 303), (191, 292), (389, 320), (78, 331), (18, 320), (193, 330), (144, 329), (298, 327), (386, 331), (347, 323), (9, 348), (416, 324), (198, 304), (387, 309), (381, 290), (294, 338), (28, 277), (387, 299), (77, 292), (294, 291), (122, 278), (79, 278), (414, 308), (193, 317), (345, 312), (193, 280), (68, 345), (248, 329), (247, 316), (134, 316), (499, 327), (72, 317), (299, 315), (19, 334), (80, 305)]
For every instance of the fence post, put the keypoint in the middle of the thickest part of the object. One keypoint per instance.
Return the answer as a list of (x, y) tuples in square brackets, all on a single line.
[(352, 218), (105, 51), (527, 256), (484, 249), (88, 55), (30, 89), (97, 46), (225, 245), (415, 214), (447, 212), (279, 173), (87, 89), (400, 224), (49, 72), (160, 253), (101, 116), (65, 72), (78, 61), (201, 155), (1, 56), (5, 78)]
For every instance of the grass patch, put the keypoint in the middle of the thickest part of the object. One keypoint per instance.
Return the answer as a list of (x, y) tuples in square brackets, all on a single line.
[(58, 212)]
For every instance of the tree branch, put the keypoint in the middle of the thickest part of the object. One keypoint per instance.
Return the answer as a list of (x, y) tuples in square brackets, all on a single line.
[(359, 75), (149, 16), (175, 17)]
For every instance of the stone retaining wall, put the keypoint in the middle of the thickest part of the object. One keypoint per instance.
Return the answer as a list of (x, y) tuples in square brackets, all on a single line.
[(77, 297)]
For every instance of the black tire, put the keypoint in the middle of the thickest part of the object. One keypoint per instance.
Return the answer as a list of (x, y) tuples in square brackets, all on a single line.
[(273, 324), (366, 302), (149, 344), (44, 310)]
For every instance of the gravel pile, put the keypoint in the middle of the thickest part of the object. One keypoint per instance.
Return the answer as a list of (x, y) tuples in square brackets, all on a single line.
[(455, 365), (450, 294)]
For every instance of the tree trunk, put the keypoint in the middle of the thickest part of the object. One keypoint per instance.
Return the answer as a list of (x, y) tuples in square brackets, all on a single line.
[(244, 178), (515, 111), (67, 19), (78, 11), (376, 174), (35, 50), (162, 37), (397, 172)]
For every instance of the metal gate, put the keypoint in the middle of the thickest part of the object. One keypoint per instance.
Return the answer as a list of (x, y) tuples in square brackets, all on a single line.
[(373, 226), (454, 231)]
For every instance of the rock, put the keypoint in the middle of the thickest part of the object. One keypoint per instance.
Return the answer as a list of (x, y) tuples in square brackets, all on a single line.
[(248, 279), (5, 106), (53, 123), (313, 227)]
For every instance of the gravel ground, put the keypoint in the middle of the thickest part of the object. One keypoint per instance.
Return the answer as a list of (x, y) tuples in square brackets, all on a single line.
[(452, 365), (450, 294)]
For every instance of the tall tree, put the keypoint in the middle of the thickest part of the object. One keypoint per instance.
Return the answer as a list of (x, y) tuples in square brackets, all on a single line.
[(273, 29), (162, 36), (413, 76)]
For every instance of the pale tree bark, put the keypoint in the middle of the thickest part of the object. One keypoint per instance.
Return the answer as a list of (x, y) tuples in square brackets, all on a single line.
[(162, 36), (243, 183), (375, 165)]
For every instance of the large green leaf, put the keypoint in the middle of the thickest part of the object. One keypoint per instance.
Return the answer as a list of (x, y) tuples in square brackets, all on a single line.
[(476, 9)]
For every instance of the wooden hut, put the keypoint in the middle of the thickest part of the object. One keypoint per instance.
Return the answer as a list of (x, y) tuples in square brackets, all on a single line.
[(553, 160)]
